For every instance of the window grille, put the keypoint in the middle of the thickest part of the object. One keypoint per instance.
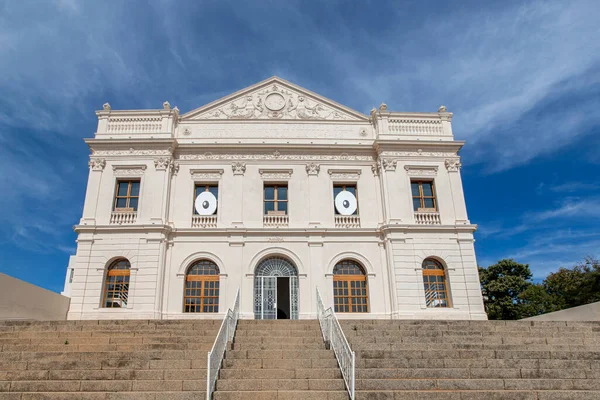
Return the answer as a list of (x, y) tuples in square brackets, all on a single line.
[(434, 280), (116, 285)]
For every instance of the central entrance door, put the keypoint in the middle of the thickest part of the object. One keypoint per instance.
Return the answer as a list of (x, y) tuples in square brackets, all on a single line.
[(276, 289)]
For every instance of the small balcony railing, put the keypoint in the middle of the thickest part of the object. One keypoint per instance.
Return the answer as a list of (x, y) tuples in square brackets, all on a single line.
[(204, 221), (123, 217), (427, 218), (347, 221), (275, 221)]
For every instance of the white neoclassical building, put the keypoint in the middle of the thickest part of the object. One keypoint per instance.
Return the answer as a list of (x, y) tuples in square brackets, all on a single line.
[(275, 191)]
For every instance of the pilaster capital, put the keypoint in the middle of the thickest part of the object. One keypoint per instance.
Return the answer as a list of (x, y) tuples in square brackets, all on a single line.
[(389, 164), (239, 168), (162, 163), (453, 164), (313, 169), (97, 164)]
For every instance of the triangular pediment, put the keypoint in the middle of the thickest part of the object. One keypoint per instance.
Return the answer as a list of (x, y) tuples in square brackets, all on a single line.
[(274, 99)]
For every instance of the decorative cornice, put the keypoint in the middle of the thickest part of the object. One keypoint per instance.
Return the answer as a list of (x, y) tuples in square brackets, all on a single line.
[(275, 173), (97, 164), (162, 163), (453, 164), (344, 174), (277, 156), (132, 152), (128, 170), (313, 169), (239, 168), (421, 170), (389, 164), (204, 174), (417, 153)]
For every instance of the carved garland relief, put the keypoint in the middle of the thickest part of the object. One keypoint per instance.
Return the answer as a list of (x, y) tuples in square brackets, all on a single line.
[(275, 102)]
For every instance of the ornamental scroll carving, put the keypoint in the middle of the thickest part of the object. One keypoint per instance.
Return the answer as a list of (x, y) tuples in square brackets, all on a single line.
[(389, 164), (421, 170), (132, 152), (344, 175), (97, 164), (313, 169), (239, 168), (284, 174), (206, 174), (276, 102), (453, 164), (122, 171), (376, 168)]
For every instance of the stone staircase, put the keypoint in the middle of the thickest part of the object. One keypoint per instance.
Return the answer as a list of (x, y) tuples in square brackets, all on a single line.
[(433, 360), (103, 360), (279, 360), (473, 360)]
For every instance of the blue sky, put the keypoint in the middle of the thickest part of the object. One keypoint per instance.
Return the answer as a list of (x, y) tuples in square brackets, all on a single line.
[(522, 78)]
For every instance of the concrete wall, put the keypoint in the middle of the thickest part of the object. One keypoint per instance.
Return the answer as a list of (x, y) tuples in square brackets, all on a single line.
[(22, 300), (589, 312)]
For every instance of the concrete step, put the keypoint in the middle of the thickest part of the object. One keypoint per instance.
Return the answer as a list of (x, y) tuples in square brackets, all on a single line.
[(279, 384), (477, 384), (258, 363), (477, 395), (165, 395), (115, 385), (279, 346), (474, 373), (280, 354), (290, 339), (282, 395), (280, 373)]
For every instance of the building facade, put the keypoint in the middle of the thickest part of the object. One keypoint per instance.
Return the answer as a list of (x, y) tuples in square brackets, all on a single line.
[(276, 192)]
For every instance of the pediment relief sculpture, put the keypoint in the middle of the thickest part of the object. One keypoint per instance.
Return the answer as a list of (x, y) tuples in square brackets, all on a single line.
[(275, 101)]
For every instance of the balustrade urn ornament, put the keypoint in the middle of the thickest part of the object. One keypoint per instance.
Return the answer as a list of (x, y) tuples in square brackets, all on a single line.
[(383, 107), (442, 109), (453, 164), (106, 106), (97, 164), (162, 163), (313, 169), (166, 105), (239, 168), (389, 164)]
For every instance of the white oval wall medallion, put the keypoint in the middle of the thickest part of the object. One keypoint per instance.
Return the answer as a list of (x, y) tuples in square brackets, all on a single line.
[(345, 203), (206, 203), (274, 102)]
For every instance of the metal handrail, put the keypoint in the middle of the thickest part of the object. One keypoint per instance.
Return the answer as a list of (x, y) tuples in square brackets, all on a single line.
[(334, 335), (225, 335)]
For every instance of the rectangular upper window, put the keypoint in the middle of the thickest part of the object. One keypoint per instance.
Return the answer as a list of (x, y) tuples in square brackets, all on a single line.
[(203, 187), (337, 189), (276, 199), (423, 195), (127, 195)]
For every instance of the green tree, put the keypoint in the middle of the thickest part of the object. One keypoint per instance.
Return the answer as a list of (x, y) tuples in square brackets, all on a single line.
[(501, 285), (576, 286), (535, 300)]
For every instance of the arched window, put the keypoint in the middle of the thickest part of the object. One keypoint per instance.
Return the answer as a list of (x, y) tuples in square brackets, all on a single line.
[(202, 288), (116, 285), (350, 292), (436, 288)]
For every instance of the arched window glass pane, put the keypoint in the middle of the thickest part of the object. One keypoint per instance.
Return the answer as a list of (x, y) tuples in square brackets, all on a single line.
[(350, 291), (116, 285), (434, 281), (201, 292)]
